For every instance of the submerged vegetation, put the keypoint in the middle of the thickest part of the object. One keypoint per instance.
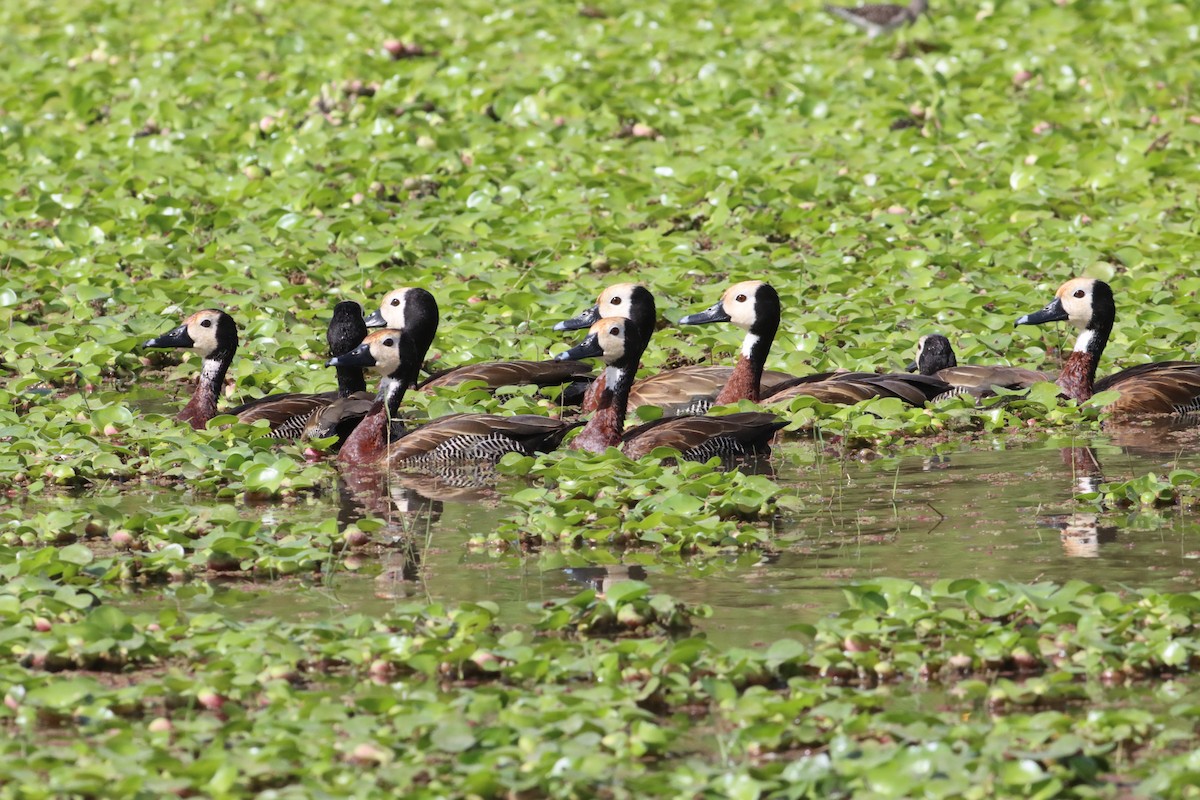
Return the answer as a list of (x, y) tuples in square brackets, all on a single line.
[(271, 159)]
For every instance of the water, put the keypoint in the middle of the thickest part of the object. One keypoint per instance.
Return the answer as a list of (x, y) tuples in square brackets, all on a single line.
[(989, 513)]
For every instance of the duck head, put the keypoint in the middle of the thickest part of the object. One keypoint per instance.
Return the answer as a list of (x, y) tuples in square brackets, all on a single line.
[(412, 310), (934, 354), (628, 300), (346, 329), (211, 333), (615, 340)]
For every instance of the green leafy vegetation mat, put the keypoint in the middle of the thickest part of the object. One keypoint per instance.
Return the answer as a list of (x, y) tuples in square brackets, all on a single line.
[(963, 689), (272, 158)]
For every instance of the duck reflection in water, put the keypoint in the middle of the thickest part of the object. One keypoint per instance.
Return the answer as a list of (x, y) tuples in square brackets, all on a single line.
[(602, 578), (408, 515), (1081, 533)]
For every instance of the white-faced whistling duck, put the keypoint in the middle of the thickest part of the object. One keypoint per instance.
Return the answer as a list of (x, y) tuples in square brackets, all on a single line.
[(213, 334), (493, 374), (1164, 387), (620, 345), (454, 440), (684, 390), (346, 332), (935, 357), (755, 307)]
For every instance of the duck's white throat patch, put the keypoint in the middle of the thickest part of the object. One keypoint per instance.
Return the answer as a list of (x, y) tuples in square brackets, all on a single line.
[(748, 344), (1084, 341), (210, 370)]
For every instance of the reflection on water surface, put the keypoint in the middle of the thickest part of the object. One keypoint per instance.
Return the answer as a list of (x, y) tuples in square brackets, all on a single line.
[(992, 514)]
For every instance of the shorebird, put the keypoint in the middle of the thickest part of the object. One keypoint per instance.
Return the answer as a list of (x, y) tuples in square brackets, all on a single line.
[(882, 18)]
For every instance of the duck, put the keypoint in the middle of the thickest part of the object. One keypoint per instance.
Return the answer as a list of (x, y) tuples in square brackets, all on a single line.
[(346, 331), (493, 374), (680, 391), (880, 18), (1157, 388), (935, 357), (620, 344), (212, 333), (755, 307), (447, 442)]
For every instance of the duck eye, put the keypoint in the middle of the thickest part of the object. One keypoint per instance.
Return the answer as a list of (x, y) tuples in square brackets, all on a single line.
[(741, 298), (388, 343), (616, 301), (1080, 293), (615, 332), (206, 323), (395, 301)]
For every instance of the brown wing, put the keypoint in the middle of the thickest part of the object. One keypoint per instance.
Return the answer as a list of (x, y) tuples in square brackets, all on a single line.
[(680, 388), (836, 392), (703, 437), (771, 380), (477, 437), (983, 377), (876, 14), (1168, 387), (339, 417), (854, 387), (915, 390), (278, 409), (512, 373)]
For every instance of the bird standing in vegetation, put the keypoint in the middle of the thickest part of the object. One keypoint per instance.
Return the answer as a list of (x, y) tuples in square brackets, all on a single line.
[(880, 18)]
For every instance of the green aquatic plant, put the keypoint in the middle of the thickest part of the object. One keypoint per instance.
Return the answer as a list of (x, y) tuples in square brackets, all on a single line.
[(429, 695), (1179, 487), (109, 544), (270, 159), (627, 608), (607, 499)]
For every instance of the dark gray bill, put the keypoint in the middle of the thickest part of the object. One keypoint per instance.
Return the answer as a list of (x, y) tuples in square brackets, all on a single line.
[(358, 357), (583, 320), (715, 313), (177, 337), (588, 348), (1051, 313)]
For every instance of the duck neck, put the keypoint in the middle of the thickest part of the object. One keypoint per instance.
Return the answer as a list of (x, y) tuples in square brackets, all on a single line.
[(369, 441), (745, 382), (203, 405), (607, 424), (1078, 376), (591, 398), (350, 380)]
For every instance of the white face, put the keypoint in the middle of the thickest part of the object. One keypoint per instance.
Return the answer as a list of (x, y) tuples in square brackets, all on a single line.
[(1076, 298), (392, 308), (615, 300), (202, 328), (610, 332), (921, 346), (385, 350), (738, 303)]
